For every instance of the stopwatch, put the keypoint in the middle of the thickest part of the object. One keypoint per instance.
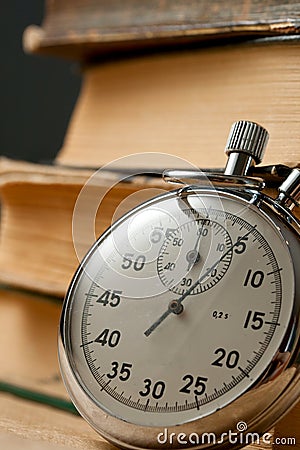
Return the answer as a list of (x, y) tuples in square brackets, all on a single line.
[(183, 318)]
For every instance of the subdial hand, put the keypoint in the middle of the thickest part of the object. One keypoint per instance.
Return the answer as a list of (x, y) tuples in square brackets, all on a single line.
[(193, 256), (174, 306)]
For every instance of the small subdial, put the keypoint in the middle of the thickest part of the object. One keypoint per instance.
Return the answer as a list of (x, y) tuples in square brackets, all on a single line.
[(191, 251)]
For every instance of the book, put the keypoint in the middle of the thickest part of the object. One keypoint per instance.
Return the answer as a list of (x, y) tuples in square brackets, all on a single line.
[(35, 409), (30, 426), (170, 102), (28, 351), (37, 250), (176, 103), (179, 103), (91, 29), (184, 103)]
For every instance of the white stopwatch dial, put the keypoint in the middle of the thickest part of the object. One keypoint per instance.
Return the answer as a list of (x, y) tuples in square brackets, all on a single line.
[(176, 312), (185, 313)]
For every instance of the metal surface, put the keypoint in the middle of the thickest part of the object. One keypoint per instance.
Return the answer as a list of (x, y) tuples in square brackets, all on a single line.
[(261, 407), (245, 147), (289, 190), (276, 388), (195, 177)]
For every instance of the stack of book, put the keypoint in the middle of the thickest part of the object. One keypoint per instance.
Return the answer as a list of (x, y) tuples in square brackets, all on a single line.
[(179, 77)]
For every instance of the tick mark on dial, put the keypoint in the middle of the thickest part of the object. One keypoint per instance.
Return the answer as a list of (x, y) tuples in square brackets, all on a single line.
[(243, 372), (105, 385), (146, 405), (277, 324), (274, 271), (86, 343)]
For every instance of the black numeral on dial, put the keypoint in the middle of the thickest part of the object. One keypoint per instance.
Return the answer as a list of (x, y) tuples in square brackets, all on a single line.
[(241, 246), (122, 372), (110, 297), (170, 266), (254, 279), (156, 235), (156, 390), (137, 263), (186, 282), (202, 232), (177, 242), (230, 359), (110, 338), (254, 320), (198, 385)]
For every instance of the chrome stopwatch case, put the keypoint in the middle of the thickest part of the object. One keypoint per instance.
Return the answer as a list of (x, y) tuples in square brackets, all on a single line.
[(183, 318)]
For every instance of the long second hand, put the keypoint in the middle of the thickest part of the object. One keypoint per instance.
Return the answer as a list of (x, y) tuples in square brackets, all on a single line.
[(189, 291)]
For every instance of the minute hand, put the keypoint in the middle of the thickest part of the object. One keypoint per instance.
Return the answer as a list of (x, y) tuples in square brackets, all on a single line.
[(189, 291)]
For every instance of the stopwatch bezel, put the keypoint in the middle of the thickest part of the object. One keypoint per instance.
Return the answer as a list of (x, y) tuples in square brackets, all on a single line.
[(127, 435)]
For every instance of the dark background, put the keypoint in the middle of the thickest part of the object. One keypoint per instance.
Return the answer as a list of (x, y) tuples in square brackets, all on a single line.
[(37, 94)]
